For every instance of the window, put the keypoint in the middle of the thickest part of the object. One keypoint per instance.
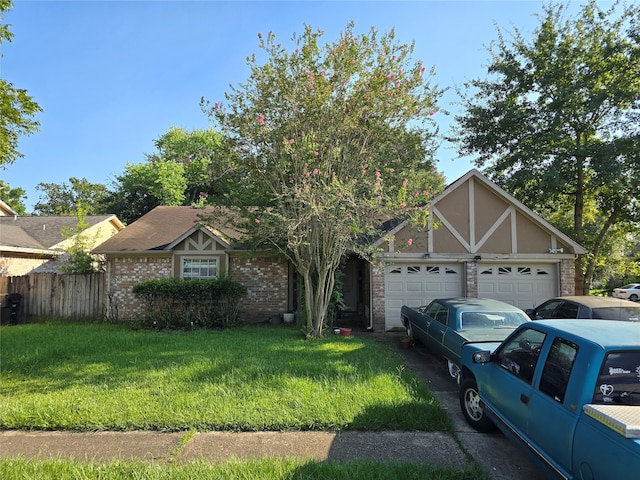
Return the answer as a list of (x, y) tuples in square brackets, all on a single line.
[(567, 310), (557, 369), (438, 312), (619, 379), (520, 355), (199, 268)]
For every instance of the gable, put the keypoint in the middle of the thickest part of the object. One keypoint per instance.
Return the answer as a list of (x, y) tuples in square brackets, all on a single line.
[(474, 216)]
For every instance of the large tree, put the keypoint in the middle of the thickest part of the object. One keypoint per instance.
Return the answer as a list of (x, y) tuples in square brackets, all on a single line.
[(332, 139), (79, 195), (17, 108), (558, 116)]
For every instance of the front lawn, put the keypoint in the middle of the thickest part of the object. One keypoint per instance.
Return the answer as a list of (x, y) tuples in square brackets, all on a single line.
[(69, 376)]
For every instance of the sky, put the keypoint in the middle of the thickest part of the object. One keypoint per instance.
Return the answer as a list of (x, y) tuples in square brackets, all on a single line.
[(113, 76)]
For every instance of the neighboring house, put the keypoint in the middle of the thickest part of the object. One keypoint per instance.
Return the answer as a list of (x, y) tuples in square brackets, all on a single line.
[(480, 242), (32, 244)]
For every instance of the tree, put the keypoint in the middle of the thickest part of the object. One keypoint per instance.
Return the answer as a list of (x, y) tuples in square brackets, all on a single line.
[(558, 116), (206, 167), (144, 186), (332, 139), (17, 109), (14, 197), (70, 198), (188, 168)]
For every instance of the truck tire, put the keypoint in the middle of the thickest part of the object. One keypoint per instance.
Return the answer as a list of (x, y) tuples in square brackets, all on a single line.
[(472, 407)]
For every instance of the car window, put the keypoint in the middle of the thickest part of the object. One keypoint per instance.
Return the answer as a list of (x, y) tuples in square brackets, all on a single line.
[(546, 309), (628, 313), (438, 312), (492, 319), (520, 354), (619, 379), (567, 310), (557, 369)]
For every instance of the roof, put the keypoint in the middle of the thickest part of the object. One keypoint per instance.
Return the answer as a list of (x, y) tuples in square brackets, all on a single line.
[(43, 232), (612, 334), (161, 227)]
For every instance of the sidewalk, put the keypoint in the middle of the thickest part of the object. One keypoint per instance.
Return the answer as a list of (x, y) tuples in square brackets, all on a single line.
[(434, 448)]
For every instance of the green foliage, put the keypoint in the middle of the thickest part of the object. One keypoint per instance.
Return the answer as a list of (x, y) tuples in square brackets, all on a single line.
[(178, 303), (14, 197), (17, 108), (557, 118), (188, 168), (72, 376), (79, 195), (78, 260), (331, 140)]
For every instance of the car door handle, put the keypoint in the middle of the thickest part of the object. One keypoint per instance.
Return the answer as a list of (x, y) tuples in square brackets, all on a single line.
[(524, 399)]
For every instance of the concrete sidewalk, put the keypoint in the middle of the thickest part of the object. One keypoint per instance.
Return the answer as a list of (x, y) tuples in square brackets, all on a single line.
[(434, 448)]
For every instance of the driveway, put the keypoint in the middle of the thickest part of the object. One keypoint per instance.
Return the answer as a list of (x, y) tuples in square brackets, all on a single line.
[(497, 454)]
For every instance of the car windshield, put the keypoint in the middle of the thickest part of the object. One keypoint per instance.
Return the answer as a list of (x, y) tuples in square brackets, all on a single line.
[(618, 379), (492, 319), (629, 313), (627, 287)]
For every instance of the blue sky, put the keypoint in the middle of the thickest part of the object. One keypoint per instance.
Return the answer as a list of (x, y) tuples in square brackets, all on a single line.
[(112, 76)]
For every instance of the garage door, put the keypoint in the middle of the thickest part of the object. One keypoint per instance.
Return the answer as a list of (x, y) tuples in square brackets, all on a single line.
[(416, 285), (524, 286)]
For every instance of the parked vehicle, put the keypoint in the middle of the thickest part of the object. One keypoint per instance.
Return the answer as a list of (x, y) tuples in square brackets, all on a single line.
[(585, 306), (445, 325), (566, 391), (628, 292)]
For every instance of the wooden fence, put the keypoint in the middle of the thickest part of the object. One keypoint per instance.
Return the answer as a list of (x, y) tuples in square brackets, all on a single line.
[(57, 295)]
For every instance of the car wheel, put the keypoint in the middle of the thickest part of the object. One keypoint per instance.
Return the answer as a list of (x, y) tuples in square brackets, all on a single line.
[(633, 297), (454, 370), (472, 407), (408, 328)]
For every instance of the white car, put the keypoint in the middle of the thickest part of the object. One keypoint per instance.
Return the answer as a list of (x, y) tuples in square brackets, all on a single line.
[(630, 292)]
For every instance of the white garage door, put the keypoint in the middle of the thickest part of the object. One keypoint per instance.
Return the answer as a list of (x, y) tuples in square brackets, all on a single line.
[(524, 286), (416, 285)]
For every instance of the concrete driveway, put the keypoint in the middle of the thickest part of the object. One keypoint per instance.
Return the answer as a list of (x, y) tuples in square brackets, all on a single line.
[(497, 454)]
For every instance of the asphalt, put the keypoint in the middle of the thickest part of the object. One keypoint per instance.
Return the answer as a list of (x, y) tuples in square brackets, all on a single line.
[(498, 456)]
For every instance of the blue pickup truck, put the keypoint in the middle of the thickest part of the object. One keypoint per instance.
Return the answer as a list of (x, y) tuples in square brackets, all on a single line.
[(567, 391)]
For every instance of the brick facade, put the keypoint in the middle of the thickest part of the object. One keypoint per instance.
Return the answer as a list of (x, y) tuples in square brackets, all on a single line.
[(377, 299), (567, 276), (266, 279), (122, 274), (267, 282)]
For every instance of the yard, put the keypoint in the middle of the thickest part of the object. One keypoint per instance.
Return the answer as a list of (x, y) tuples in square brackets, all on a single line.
[(70, 376)]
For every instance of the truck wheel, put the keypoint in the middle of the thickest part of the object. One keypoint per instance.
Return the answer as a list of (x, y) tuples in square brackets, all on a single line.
[(471, 406)]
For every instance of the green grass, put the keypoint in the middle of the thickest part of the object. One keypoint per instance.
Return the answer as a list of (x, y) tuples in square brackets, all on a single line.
[(70, 376), (246, 470)]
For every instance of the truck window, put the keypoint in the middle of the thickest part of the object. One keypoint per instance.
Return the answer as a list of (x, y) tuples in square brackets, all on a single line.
[(619, 379), (520, 354), (557, 369)]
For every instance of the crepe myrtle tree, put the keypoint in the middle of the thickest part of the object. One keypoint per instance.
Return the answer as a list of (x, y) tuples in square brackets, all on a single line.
[(332, 139)]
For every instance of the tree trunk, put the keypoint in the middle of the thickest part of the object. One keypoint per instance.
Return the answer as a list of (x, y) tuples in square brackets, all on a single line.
[(578, 211), (595, 249)]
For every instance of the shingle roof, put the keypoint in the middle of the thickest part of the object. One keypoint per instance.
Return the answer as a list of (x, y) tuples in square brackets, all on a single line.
[(41, 232), (162, 226)]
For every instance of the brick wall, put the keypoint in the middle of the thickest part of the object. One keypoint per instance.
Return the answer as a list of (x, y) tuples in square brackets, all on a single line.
[(267, 282), (471, 277), (122, 274), (377, 299), (16, 266), (567, 276)]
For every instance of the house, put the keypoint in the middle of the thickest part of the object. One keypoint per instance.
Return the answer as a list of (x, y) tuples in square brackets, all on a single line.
[(32, 244), (480, 242)]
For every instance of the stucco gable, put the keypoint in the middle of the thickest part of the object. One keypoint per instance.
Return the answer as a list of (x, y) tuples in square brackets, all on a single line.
[(474, 215)]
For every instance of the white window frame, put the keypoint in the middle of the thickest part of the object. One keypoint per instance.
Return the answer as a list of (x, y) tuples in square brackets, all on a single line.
[(212, 262)]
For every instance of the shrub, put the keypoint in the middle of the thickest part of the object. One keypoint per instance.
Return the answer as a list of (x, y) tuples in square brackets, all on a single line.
[(178, 303)]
